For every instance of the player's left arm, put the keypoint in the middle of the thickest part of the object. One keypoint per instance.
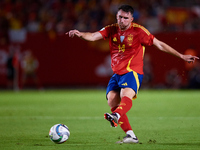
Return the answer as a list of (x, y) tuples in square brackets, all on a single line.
[(166, 48)]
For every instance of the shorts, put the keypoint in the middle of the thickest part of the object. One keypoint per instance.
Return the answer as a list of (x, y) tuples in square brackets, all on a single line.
[(131, 80)]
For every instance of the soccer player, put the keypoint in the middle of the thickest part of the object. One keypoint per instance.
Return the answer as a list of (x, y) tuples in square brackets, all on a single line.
[(127, 41)]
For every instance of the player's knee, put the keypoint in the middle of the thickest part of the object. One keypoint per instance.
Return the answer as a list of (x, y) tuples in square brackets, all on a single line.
[(112, 103), (128, 92), (113, 99)]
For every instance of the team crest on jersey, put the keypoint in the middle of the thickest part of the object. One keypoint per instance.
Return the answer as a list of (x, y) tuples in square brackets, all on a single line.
[(130, 39)]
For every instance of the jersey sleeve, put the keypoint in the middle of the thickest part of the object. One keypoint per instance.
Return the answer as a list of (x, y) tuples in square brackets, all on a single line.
[(105, 32), (146, 38)]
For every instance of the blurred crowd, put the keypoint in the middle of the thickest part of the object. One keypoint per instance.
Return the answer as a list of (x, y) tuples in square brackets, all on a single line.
[(55, 17), (22, 69), (59, 16)]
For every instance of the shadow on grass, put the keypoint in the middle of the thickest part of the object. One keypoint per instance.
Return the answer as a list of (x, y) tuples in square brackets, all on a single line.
[(180, 144)]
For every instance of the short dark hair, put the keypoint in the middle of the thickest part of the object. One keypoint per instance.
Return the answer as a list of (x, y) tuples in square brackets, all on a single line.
[(126, 8)]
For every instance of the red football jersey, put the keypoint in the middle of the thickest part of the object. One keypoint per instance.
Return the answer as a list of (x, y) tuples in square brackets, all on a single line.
[(127, 47)]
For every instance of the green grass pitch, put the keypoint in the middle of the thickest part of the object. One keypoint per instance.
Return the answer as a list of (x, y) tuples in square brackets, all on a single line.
[(162, 120)]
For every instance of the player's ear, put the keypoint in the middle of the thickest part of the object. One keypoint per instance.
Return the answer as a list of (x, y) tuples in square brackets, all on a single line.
[(132, 19)]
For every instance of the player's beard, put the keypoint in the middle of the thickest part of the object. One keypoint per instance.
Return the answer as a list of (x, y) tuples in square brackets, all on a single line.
[(122, 26)]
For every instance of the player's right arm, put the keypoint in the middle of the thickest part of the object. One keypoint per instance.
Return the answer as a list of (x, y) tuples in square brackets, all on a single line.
[(88, 36)]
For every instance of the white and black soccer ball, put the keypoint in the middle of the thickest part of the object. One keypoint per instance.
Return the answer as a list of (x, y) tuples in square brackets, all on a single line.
[(59, 133)]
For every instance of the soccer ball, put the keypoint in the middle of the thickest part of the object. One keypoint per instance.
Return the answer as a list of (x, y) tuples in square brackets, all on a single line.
[(59, 133)]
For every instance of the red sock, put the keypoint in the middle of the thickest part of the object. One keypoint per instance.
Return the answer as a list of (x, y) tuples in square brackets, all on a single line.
[(113, 109), (123, 121), (124, 107)]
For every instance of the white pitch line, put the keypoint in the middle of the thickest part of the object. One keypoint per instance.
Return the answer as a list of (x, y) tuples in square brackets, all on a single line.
[(95, 118)]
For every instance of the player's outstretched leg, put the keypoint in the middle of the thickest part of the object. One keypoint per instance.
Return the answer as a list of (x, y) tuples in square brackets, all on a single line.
[(112, 118), (126, 127)]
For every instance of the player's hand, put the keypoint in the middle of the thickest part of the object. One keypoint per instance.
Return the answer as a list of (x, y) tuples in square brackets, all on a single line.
[(190, 58), (73, 33)]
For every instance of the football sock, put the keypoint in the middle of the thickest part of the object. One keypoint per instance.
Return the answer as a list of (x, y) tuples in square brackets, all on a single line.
[(123, 121), (113, 109), (124, 107), (131, 133)]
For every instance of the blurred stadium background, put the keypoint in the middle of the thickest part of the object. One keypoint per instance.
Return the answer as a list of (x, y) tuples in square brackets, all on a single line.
[(36, 53)]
